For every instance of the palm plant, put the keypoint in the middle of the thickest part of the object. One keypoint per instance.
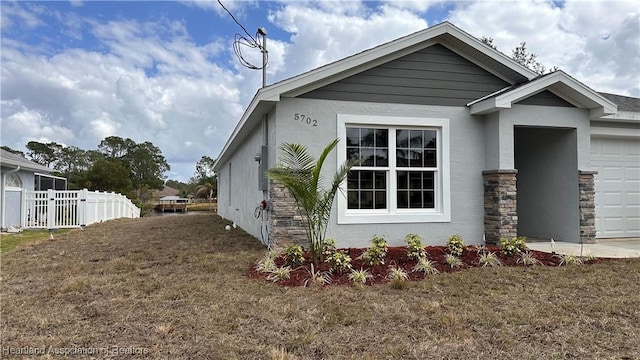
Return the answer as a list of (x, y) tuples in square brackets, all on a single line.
[(206, 188), (300, 173)]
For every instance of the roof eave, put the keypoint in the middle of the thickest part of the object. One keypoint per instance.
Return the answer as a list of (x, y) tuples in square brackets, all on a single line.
[(560, 84)]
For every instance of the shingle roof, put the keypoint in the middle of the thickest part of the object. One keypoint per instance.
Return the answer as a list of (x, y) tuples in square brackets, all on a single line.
[(15, 160), (625, 103)]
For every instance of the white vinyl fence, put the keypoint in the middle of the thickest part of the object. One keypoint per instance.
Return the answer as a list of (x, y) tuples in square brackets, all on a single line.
[(54, 209)]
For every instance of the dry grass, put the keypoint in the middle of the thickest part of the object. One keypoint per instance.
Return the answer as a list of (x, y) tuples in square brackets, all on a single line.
[(176, 287)]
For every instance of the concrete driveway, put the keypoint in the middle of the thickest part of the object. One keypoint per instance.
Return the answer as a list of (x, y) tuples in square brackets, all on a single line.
[(610, 248)]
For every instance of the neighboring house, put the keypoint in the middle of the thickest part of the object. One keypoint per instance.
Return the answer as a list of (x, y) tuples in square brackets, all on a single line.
[(456, 138), (18, 174)]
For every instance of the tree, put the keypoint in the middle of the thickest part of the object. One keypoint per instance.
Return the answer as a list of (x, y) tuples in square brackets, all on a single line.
[(13, 151), (43, 154), (529, 60), (109, 175), (147, 166), (300, 173), (520, 55), (204, 167), (115, 146), (206, 188)]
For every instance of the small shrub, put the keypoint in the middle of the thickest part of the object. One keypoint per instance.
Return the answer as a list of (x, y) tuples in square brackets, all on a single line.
[(513, 246), (317, 278), (376, 253), (426, 266), (359, 277), (415, 249), (281, 273), (267, 262), (329, 247), (489, 259), (397, 277), (455, 243), (452, 261), (570, 260), (293, 255), (339, 261), (528, 259)]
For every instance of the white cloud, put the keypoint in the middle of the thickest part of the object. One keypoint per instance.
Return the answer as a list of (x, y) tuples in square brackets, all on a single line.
[(571, 37), (150, 81)]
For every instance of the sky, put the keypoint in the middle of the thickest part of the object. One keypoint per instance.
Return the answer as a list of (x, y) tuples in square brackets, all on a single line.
[(76, 72)]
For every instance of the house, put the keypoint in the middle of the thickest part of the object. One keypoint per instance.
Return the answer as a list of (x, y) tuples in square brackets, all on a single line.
[(172, 203), (455, 137), (18, 174)]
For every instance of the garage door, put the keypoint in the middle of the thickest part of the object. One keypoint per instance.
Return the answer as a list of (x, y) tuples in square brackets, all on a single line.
[(617, 184)]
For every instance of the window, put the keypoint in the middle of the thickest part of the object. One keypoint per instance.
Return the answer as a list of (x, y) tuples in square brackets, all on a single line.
[(404, 171), (12, 180)]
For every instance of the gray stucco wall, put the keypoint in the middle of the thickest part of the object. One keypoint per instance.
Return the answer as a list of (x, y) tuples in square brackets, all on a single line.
[(547, 183), (466, 161), (545, 116), (238, 192)]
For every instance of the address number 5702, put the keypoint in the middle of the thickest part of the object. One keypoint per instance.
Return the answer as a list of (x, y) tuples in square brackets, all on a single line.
[(305, 119)]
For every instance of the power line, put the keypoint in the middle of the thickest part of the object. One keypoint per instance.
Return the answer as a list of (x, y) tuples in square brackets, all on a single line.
[(237, 22)]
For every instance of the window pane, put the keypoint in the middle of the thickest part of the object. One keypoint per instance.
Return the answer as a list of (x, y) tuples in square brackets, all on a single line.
[(382, 138), (366, 199), (430, 158), (353, 153), (353, 179), (353, 137), (416, 158), (381, 200), (428, 202), (427, 180), (366, 179), (402, 138), (366, 137), (382, 157), (381, 180), (367, 157), (403, 199), (402, 157), (352, 200), (415, 199), (430, 139), (415, 180)]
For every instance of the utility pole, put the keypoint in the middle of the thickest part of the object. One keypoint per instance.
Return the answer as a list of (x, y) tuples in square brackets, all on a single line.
[(264, 51)]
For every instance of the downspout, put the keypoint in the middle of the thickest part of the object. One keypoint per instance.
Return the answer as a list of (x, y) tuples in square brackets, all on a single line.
[(4, 213)]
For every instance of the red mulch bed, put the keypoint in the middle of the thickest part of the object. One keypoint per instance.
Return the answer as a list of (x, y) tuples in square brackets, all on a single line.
[(397, 256)]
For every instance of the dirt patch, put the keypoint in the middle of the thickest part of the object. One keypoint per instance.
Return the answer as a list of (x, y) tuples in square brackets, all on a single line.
[(397, 258)]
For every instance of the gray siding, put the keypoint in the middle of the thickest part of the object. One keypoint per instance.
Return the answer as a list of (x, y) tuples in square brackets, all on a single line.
[(431, 76), (545, 98)]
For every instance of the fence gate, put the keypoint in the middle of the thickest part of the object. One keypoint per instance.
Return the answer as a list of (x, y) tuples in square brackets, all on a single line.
[(52, 209)]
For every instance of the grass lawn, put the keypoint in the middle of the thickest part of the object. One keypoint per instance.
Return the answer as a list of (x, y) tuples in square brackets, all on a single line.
[(176, 287), (11, 241)]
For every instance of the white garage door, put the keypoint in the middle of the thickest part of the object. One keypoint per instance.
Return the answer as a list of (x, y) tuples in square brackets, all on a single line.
[(617, 184)]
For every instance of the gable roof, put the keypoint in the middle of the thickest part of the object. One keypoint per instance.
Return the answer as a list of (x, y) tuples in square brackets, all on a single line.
[(559, 83), (10, 159), (447, 34)]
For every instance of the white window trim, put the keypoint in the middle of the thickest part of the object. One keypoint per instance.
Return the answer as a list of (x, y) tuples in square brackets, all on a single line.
[(442, 211)]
